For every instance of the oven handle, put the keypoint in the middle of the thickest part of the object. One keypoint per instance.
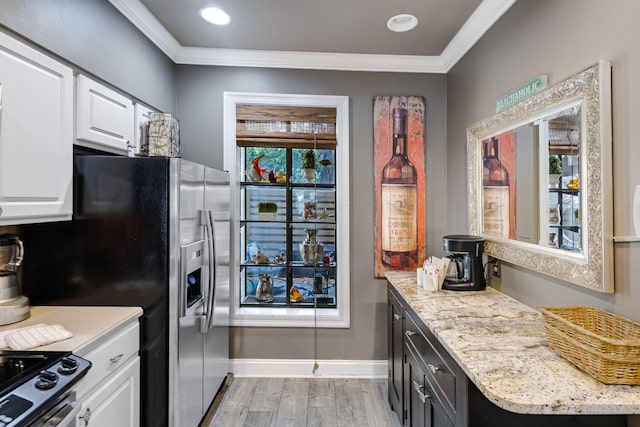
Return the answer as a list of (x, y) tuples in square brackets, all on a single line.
[(63, 414)]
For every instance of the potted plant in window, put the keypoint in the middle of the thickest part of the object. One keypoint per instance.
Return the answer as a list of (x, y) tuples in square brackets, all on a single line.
[(555, 171), (308, 166), (267, 211)]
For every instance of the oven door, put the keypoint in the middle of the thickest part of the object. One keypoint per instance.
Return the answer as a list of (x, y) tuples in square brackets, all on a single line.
[(63, 414)]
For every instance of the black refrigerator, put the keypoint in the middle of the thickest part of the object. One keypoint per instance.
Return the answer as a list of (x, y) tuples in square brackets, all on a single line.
[(149, 232)]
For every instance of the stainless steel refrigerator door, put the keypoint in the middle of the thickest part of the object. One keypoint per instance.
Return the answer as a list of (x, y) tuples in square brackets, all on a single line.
[(216, 340), (188, 403)]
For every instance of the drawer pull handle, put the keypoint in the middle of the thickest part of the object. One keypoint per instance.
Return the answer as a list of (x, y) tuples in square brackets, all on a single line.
[(86, 416), (409, 333), (418, 388), (433, 368), (115, 359), (397, 316)]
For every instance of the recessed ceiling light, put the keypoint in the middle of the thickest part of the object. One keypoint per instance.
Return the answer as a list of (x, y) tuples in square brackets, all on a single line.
[(215, 16), (402, 23)]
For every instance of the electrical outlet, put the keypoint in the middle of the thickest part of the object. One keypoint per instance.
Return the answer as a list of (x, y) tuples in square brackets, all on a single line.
[(497, 269)]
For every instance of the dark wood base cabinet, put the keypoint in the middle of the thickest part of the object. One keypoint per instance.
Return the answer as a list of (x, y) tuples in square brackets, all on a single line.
[(427, 388)]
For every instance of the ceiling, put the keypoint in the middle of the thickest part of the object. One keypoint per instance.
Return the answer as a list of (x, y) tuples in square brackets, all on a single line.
[(328, 34)]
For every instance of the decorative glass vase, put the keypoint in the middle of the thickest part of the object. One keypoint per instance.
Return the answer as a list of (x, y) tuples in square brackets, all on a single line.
[(264, 291), (310, 249)]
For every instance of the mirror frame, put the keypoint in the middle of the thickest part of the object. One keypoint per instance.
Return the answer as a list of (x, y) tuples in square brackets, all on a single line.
[(593, 268)]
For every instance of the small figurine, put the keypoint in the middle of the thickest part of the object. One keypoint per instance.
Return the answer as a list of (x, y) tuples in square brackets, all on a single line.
[(281, 177), (255, 173), (281, 258), (260, 258), (573, 183)]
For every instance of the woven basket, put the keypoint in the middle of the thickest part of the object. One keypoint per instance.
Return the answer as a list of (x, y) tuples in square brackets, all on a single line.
[(602, 344)]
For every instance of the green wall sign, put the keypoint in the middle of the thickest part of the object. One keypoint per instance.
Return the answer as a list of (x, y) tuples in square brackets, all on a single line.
[(535, 85)]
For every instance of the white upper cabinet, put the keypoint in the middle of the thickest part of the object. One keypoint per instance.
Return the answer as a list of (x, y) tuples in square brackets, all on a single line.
[(104, 118), (36, 135)]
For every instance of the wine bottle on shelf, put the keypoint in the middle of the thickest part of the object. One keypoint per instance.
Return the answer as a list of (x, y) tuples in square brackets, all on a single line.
[(495, 191), (399, 202)]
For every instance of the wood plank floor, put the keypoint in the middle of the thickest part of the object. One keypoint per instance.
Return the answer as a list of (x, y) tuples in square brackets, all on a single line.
[(305, 402)]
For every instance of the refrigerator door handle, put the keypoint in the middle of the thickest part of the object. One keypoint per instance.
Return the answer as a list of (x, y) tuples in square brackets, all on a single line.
[(209, 223), (182, 291)]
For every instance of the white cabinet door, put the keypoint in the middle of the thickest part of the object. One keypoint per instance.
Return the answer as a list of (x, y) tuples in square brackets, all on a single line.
[(36, 135), (116, 402), (104, 117), (141, 129)]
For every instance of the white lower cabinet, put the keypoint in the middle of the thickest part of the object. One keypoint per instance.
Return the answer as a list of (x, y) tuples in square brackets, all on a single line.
[(114, 403), (109, 395)]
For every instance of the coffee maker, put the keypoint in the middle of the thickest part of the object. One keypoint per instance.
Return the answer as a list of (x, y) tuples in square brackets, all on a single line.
[(13, 306), (465, 272)]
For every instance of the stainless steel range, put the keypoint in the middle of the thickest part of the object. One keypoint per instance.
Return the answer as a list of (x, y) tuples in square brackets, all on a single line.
[(35, 386)]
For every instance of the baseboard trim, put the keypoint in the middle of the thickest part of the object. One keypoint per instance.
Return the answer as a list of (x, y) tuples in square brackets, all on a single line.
[(303, 368)]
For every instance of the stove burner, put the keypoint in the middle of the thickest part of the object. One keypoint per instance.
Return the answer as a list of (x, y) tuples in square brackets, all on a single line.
[(31, 382)]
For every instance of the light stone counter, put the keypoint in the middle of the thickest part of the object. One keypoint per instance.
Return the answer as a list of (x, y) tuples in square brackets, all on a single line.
[(501, 345), (88, 324)]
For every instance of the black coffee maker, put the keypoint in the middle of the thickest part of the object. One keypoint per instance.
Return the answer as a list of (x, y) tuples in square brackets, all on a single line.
[(465, 272)]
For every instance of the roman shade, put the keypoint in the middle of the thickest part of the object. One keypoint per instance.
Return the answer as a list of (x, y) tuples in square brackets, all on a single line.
[(285, 126)]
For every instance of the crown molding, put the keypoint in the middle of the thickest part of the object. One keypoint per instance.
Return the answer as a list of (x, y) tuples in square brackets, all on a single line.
[(310, 60), (136, 12), (483, 18), (487, 13)]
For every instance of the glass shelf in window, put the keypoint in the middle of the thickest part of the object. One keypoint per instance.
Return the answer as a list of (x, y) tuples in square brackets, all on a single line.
[(313, 204), (250, 277), (263, 242), (325, 235), (325, 167), (254, 198), (318, 283)]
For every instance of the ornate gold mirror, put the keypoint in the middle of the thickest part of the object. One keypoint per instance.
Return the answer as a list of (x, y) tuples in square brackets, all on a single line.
[(540, 181)]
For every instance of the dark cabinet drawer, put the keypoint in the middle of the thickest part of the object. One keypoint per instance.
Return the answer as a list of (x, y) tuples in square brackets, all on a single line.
[(423, 408), (440, 368)]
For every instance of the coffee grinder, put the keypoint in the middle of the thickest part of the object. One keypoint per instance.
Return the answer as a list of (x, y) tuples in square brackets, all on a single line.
[(465, 272), (13, 306)]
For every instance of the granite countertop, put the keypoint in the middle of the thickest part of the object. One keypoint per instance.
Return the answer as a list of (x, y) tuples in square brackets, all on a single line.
[(88, 324), (501, 345)]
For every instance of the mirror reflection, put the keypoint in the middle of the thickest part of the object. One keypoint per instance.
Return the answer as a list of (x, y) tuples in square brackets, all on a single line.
[(539, 181), (531, 181)]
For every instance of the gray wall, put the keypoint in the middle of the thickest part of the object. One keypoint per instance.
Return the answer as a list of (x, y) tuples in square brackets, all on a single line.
[(200, 110), (93, 36), (557, 38)]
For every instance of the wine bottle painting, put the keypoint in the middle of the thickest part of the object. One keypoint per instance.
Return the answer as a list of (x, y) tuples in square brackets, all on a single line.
[(498, 185), (399, 238)]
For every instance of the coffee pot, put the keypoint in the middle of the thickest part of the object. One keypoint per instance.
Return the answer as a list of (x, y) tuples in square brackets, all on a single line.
[(465, 271), (13, 306)]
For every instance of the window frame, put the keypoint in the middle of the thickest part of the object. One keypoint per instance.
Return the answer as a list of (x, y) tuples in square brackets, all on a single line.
[(338, 317)]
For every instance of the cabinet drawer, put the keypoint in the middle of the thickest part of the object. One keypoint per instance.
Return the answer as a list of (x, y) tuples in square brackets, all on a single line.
[(438, 365), (107, 358)]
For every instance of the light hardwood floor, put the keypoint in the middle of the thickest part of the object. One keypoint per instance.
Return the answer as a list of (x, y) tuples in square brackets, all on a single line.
[(305, 402)]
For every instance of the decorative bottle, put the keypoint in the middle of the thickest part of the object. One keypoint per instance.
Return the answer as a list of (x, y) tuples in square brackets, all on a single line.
[(495, 191), (399, 207)]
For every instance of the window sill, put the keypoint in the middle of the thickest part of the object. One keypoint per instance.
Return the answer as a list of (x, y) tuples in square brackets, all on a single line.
[(289, 317)]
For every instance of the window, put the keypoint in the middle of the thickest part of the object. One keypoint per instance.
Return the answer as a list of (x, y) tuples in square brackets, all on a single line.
[(267, 136)]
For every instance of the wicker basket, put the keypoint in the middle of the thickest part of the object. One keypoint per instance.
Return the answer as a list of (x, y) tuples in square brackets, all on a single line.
[(602, 344)]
